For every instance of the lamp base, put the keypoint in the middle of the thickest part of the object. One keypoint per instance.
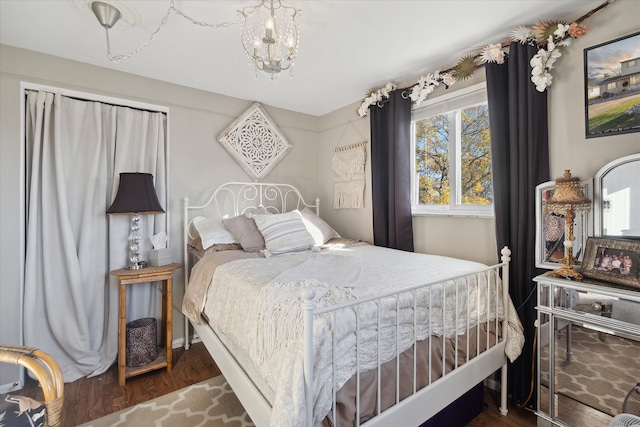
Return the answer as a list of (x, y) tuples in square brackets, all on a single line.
[(138, 265), (567, 272)]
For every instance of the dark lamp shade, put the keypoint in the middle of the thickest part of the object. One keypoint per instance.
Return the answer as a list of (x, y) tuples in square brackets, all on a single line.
[(136, 194)]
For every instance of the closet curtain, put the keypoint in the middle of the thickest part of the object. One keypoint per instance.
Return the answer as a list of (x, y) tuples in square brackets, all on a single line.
[(75, 151), (391, 173), (520, 161)]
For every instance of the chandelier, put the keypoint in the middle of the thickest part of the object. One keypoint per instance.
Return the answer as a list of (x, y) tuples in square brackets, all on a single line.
[(270, 36), (269, 32)]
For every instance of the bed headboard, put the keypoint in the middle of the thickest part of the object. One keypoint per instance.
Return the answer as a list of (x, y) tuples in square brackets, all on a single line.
[(235, 198)]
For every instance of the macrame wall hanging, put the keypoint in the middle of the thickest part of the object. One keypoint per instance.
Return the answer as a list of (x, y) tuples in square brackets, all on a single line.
[(349, 182)]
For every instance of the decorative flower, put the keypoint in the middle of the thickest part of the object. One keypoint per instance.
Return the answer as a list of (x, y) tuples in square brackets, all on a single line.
[(466, 67), (492, 53), (385, 90), (565, 42), (561, 31), (447, 79), (576, 30), (522, 35), (373, 97), (426, 85), (543, 29), (541, 63)]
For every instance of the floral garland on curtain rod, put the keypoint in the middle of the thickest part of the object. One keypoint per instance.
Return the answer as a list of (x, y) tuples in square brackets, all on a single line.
[(548, 36)]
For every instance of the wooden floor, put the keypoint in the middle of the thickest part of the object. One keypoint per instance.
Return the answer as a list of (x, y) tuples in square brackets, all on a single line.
[(89, 398)]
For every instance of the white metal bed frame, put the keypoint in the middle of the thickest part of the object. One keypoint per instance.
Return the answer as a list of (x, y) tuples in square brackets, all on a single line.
[(421, 405)]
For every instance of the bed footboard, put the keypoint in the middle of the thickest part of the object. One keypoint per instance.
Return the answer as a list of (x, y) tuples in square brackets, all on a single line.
[(471, 357)]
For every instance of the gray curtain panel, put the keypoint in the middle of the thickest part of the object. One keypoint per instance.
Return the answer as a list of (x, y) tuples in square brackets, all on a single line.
[(391, 173), (74, 154), (520, 161)]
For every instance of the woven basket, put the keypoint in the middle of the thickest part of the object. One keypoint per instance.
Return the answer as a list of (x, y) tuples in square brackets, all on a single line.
[(142, 335)]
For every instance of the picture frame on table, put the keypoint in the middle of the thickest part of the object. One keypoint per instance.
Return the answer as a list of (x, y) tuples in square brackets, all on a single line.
[(612, 260), (612, 87)]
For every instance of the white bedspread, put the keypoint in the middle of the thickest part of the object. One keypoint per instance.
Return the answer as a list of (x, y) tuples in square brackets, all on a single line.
[(256, 303)]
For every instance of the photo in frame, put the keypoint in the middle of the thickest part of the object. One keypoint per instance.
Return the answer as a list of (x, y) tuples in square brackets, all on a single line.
[(612, 260), (612, 87)]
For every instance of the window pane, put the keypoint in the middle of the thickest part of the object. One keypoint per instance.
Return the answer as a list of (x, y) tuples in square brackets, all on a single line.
[(476, 156), (432, 159)]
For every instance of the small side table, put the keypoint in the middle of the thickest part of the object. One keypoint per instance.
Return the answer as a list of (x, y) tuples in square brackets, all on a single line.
[(146, 275)]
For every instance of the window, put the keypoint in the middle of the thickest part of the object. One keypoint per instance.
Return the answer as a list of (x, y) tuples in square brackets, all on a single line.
[(611, 86), (452, 156)]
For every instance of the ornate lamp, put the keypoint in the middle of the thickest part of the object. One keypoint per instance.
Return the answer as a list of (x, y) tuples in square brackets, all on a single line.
[(568, 199), (269, 34), (136, 195)]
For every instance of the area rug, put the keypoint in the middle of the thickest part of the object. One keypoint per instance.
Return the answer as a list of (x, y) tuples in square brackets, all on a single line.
[(602, 371), (209, 403)]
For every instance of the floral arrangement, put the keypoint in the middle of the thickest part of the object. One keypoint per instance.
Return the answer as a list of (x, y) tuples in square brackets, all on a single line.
[(548, 36), (374, 97), (428, 83)]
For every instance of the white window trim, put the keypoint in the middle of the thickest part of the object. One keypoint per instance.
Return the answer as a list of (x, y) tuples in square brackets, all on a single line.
[(448, 102)]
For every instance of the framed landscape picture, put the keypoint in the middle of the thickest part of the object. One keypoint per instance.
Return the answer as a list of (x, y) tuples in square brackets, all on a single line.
[(612, 87)]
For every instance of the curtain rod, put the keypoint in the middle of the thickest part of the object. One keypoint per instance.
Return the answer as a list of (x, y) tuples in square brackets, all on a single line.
[(508, 42)]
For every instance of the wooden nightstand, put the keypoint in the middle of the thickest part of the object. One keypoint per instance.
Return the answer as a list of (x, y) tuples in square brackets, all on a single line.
[(130, 277)]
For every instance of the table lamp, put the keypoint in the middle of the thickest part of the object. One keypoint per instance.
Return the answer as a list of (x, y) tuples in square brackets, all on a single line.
[(567, 199), (136, 195)]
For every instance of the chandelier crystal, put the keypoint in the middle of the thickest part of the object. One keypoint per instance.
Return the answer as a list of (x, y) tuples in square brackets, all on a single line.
[(270, 36)]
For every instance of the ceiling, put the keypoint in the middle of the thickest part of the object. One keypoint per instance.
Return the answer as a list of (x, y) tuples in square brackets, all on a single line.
[(346, 46)]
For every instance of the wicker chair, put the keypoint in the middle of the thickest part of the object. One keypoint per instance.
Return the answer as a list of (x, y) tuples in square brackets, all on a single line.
[(48, 373)]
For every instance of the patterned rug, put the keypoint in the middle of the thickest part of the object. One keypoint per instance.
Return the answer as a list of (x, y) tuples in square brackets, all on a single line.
[(600, 374), (209, 403)]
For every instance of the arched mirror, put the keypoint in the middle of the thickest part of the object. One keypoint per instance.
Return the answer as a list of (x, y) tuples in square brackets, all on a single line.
[(617, 199), (551, 228)]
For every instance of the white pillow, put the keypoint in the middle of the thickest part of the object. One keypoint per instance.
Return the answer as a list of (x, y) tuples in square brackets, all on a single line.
[(317, 227), (284, 232), (212, 232)]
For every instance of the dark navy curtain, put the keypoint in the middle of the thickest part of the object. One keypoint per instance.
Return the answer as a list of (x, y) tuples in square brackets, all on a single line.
[(520, 161), (391, 173)]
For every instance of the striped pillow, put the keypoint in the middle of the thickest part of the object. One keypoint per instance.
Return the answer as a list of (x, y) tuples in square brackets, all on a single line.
[(284, 232)]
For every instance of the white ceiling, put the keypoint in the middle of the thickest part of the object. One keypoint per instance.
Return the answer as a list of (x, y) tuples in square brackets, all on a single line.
[(347, 47)]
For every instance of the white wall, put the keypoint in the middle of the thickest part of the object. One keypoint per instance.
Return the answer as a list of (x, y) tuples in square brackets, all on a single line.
[(197, 161), (337, 129)]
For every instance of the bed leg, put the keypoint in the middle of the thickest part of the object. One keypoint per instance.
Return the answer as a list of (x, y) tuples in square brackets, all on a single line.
[(187, 344), (503, 391)]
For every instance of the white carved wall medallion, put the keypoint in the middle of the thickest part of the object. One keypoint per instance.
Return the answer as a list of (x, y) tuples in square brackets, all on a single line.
[(255, 142)]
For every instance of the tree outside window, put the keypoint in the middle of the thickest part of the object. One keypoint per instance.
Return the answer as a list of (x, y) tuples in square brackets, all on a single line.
[(453, 159)]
